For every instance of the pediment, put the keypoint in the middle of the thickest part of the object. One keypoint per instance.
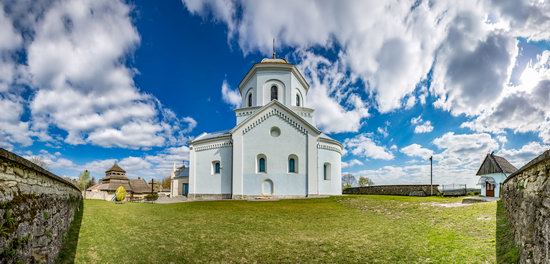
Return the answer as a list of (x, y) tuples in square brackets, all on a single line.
[(276, 109)]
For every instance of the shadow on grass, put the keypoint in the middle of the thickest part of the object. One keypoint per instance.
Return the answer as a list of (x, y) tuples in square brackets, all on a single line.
[(70, 242), (506, 249)]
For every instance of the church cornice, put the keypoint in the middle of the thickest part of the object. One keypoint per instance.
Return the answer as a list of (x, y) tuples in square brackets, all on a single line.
[(225, 144), (331, 148)]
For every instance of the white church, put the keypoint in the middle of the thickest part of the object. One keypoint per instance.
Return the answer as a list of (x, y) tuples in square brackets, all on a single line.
[(274, 150)]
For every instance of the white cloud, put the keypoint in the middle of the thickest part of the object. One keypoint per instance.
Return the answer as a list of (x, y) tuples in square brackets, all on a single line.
[(52, 160), (527, 152), (363, 145), (230, 96), (421, 126), (415, 150), (75, 52), (154, 165), (383, 131), (351, 163), (392, 55), (522, 108), (464, 151), (337, 108), (157, 165)]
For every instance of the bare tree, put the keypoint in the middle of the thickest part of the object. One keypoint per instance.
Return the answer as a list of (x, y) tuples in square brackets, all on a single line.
[(40, 162), (364, 181), (348, 181)]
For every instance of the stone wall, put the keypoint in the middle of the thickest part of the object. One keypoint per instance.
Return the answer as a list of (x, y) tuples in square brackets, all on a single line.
[(36, 211), (407, 190), (526, 198)]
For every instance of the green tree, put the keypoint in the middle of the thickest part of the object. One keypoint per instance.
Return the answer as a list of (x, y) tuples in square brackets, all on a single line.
[(84, 180), (364, 181), (120, 194)]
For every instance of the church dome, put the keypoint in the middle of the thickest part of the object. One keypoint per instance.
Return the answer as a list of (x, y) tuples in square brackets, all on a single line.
[(272, 60)]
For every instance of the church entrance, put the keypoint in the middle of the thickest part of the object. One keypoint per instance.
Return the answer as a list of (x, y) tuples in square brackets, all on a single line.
[(185, 189), (267, 187)]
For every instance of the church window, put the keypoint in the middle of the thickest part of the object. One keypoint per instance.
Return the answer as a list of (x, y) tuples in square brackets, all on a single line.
[(274, 93), (216, 167), (293, 164), (275, 131), (297, 100), (261, 164), (326, 171), (250, 100)]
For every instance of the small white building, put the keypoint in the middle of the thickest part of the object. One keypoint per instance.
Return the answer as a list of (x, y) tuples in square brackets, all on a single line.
[(274, 150), (493, 171), (179, 181)]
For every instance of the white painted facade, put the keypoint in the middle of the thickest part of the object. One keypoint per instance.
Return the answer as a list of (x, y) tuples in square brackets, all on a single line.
[(498, 179), (228, 164)]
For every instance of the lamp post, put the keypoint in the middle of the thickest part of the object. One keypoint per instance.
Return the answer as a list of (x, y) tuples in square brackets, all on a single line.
[(431, 176)]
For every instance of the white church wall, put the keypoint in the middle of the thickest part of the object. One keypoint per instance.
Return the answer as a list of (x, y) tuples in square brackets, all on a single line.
[(265, 79), (277, 150), (334, 185), (206, 182), (297, 87), (249, 86)]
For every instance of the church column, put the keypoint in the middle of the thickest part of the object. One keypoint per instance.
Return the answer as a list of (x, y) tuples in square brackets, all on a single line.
[(312, 163), (237, 179), (192, 174)]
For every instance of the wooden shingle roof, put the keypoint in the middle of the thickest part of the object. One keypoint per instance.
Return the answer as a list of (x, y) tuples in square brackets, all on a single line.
[(495, 164), (116, 168)]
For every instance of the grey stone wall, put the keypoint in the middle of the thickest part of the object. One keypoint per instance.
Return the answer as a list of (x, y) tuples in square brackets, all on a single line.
[(526, 199), (407, 190), (36, 211)]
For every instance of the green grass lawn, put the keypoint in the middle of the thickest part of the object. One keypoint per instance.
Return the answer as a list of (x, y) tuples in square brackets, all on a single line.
[(366, 229)]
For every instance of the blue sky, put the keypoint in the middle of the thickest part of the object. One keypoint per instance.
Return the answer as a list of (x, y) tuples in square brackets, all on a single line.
[(86, 83)]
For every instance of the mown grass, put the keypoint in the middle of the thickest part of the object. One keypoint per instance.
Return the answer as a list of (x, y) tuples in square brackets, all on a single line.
[(347, 229)]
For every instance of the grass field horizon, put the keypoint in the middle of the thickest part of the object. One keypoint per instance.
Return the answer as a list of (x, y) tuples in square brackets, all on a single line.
[(344, 229)]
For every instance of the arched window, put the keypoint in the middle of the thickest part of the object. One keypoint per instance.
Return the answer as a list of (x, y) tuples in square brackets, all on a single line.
[(261, 166), (250, 100), (326, 171), (274, 93), (292, 164), (297, 100), (216, 167)]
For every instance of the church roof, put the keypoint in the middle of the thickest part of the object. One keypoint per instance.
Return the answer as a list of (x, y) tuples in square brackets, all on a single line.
[(140, 186), (182, 171), (495, 164), (116, 168), (216, 134)]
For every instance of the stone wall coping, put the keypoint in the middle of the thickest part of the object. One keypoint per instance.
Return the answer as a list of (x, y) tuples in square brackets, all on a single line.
[(8, 155), (399, 185), (544, 156)]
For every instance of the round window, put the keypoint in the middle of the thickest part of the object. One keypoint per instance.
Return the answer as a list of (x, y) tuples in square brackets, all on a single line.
[(275, 132)]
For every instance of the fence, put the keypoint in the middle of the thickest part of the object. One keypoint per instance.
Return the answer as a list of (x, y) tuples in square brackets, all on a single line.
[(453, 189)]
